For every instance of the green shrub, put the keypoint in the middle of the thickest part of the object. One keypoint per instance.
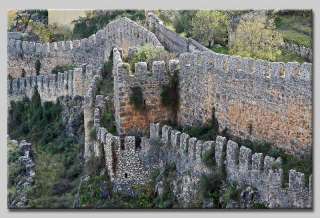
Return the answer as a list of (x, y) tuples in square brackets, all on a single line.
[(37, 66), (170, 94), (58, 164), (148, 53), (167, 199), (62, 68), (303, 164), (136, 98), (220, 49), (90, 191), (287, 56), (93, 134), (208, 26), (207, 158), (107, 69), (105, 87), (210, 186), (231, 193), (183, 22), (296, 28), (108, 122), (259, 206), (255, 39)]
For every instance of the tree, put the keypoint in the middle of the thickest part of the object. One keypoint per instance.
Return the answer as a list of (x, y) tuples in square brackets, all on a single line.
[(183, 21), (209, 25), (255, 39)]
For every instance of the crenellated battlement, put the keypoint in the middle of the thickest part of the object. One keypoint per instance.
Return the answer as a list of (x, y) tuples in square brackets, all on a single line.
[(278, 72), (93, 50), (253, 99), (116, 31), (51, 86), (242, 166), (124, 158), (128, 119)]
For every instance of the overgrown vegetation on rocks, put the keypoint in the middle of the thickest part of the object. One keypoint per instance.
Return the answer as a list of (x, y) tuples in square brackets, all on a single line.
[(105, 84), (208, 131), (170, 94), (37, 66), (136, 98), (210, 186), (57, 156), (207, 158), (62, 68), (303, 164), (108, 122), (148, 53)]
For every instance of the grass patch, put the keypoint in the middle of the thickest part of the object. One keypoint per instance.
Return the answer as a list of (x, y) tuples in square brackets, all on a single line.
[(290, 57), (220, 49), (295, 28)]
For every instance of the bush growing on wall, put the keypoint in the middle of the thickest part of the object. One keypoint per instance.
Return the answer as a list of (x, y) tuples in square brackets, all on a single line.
[(37, 66), (148, 54), (136, 98), (170, 94), (62, 68)]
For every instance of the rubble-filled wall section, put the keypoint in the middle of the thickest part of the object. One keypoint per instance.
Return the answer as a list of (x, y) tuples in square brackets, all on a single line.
[(253, 99)]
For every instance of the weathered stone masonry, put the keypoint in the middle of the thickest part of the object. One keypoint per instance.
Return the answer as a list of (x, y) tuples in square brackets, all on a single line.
[(93, 50), (125, 162), (52, 86), (264, 173), (128, 119), (253, 99), (171, 40)]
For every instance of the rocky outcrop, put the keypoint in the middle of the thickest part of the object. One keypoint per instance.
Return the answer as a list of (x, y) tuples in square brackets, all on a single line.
[(26, 179)]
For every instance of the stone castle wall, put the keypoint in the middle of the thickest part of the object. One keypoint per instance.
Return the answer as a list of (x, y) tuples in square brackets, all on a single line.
[(127, 163), (171, 40), (93, 50), (121, 154), (128, 119), (253, 99), (242, 166), (52, 86)]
